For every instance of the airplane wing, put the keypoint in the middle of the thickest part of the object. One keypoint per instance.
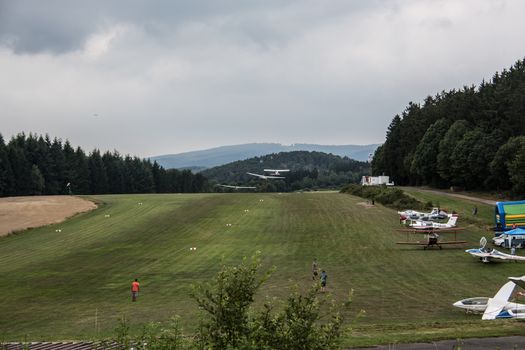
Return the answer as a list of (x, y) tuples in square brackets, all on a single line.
[(274, 177), (504, 256), (452, 242), (277, 170), (237, 187), (496, 304), (227, 186), (418, 230), (258, 175), (449, 229)]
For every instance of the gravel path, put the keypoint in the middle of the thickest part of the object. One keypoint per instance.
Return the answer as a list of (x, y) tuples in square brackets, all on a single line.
[(462, 196)]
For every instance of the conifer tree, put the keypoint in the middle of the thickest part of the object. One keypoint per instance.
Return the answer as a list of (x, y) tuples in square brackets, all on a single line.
[(98, 175), (6, 174), (81, 183), (37, 181)]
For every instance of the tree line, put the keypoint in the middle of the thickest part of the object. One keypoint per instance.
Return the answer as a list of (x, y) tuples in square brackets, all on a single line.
[(35, 165), (308, 170), (473, 138)]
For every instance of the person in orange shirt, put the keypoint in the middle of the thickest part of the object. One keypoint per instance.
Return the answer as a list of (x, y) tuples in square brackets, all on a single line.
[(135, 288)]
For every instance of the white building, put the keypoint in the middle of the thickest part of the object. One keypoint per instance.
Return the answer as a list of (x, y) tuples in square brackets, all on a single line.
[(376, 181)]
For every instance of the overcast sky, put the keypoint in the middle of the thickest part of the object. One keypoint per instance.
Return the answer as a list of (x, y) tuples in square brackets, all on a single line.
[(157, 77)]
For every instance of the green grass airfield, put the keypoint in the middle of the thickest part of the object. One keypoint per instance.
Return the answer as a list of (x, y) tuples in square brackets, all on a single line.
[(56, 285)]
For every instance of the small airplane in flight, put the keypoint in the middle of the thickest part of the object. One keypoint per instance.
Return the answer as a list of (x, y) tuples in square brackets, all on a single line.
[(430, 225), (498, 306), (276, 172), (266, 177), (238, 187), (487, 254)]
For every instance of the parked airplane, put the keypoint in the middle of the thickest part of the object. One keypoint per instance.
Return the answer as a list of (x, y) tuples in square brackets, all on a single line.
[(238, 187), (435, 214), (487, 254), (266, 177), (432, 238), (276, 172), (430, 225), (498, 306)]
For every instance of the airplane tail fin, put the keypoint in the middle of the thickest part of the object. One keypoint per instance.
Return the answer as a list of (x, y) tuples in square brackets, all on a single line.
[(496, 304), (452, 220)]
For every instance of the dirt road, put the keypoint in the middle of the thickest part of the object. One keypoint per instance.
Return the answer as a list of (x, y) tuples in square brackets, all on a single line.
[(457, 195)]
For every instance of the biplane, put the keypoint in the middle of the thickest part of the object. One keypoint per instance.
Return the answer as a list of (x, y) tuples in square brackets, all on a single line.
[(432, 237)]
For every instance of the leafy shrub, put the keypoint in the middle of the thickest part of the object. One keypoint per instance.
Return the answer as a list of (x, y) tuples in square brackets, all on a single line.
[(390, 197)]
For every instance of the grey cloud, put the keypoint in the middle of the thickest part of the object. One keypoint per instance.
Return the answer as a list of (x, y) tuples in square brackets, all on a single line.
[(174, 76), (59, 26)]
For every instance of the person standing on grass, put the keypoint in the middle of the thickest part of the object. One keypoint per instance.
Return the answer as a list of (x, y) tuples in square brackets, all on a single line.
[(135, 288), (315, 270), (324, 276)]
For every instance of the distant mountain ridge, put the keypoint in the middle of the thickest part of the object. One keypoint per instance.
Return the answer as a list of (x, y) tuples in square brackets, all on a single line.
[(212, 157)]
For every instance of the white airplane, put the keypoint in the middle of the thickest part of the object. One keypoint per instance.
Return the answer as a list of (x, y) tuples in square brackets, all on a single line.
[(276, 172), (430, 225), (238, 187), (498, 306), (487, 254), (266, 177), (435, 214)]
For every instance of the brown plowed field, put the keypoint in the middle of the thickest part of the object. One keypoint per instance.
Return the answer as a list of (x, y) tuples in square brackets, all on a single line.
[(20, 213)]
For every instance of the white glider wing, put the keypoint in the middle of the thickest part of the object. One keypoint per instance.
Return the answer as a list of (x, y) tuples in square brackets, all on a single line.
[(258, 175), (265, 177), (496, 304), (238, 187)]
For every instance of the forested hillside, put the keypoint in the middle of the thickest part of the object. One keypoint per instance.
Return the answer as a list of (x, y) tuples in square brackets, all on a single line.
[(309, 170), (33, 165), (473, 138)]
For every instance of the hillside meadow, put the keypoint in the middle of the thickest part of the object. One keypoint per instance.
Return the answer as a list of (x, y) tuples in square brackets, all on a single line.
[(74, 284)]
